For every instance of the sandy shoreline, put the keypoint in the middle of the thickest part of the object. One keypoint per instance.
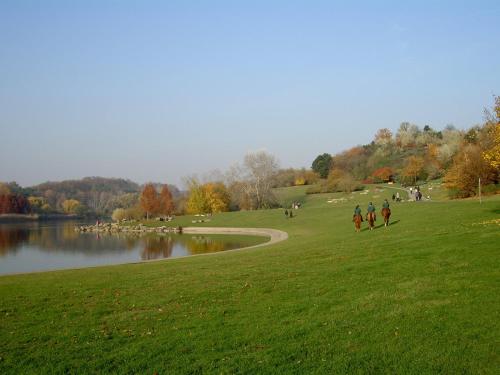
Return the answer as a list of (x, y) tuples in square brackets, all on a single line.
[(274, 234)]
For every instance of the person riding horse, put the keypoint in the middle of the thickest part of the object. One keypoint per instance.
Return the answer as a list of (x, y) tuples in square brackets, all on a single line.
[(386, 212), (357, 218), (371, 210), (357, 211)]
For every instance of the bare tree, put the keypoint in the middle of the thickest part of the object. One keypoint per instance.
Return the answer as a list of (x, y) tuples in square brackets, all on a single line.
[(259, 170)]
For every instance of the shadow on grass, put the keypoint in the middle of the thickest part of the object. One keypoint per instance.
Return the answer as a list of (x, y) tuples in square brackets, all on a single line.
[(380, 226)]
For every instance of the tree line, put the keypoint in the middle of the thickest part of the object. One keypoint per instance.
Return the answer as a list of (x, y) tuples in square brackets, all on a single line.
[(90, 196), (410, 156), (246, 186), (459, 157)]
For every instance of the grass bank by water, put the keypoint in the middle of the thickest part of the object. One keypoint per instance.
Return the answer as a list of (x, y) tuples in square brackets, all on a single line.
[(420, 296)]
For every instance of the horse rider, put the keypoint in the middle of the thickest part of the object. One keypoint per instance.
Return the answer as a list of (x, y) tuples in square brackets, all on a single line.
[(357, 211), (385, 204), (371, 209)]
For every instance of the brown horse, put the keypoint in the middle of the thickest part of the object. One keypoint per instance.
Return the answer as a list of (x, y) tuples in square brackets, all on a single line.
[(370, 217), (358, 219), (386, 213)]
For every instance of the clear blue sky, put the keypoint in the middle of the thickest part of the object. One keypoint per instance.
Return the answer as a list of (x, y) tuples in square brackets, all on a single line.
[(152, 90)]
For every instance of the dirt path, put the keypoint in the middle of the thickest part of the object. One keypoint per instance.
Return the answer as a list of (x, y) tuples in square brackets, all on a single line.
[(403, 189)]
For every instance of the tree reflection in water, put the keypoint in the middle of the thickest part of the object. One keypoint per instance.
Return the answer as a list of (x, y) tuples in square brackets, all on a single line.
[(157, 247), (202, 244), (11, 239), (61, 238)]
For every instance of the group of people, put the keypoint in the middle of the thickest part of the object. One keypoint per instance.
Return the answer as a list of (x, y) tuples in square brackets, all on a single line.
[(396, 197), (415, 193), (369, 211), (295, 206)]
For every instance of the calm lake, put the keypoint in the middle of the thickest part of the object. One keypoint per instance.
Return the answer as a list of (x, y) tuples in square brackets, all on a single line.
[(39, 246)]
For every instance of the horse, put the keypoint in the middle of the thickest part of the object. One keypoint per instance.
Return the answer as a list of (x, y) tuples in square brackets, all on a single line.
[(357, 219), (386, 213), (370, 217)]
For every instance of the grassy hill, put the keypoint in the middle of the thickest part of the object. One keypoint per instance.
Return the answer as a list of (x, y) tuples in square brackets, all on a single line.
[(420, 296)]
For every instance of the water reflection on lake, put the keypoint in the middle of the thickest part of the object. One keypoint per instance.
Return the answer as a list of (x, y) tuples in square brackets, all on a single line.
[(42, 246)]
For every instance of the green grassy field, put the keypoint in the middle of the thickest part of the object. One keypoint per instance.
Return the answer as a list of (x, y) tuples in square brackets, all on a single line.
[(421, 296)]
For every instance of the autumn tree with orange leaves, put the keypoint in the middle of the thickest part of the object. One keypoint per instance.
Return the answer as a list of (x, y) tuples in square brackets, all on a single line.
[(414, 166), (167, 206), (468, 167), (383, 174), (150, 202)]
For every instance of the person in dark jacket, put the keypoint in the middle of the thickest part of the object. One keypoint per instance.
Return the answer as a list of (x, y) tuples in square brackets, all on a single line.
[(371, 209)]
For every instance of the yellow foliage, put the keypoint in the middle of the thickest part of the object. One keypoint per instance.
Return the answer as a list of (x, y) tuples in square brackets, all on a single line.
[(311, 177), (414, 165), (432, 151), (300, 181), (4, 189), (70, 206), (468, 166), (196, 203), (208, 198), (492, 155), (119, 214), (217, 197), (36, 202)]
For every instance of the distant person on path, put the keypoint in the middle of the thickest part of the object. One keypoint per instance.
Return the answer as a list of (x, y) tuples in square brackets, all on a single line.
[(393, 197), (398, 198), (291, 214), (286, 213)]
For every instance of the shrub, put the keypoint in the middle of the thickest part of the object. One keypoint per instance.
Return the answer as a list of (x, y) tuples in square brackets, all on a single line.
[(491, 189), (299, 181), (119, 214)]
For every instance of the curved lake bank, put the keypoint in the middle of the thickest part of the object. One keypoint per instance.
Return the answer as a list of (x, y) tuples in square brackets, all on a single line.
[(43, 246), (274, 235)]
